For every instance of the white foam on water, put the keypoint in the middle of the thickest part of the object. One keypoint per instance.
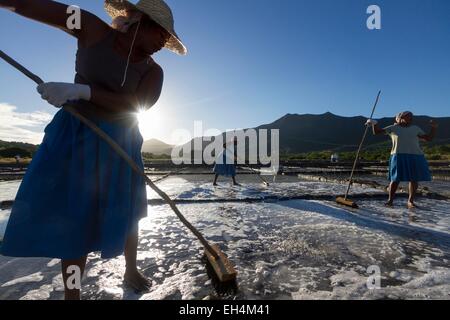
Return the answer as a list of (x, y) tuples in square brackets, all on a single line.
[(180, 188), (431, 214), (4, 217), (35, 277), (42, 293), (8, 189), (351, 285), (53, 263), (282, 250)]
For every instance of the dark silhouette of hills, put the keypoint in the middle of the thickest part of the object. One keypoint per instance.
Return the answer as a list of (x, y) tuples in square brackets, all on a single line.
[(156, 147), (306, 133), (330, 132), (11, 149)]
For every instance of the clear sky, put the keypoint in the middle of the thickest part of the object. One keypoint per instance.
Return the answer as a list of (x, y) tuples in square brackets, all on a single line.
[(252, 61)]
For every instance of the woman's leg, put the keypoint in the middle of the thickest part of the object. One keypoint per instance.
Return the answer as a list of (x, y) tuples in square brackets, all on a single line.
[(234, 181), (73, 293), (413, 186), (392, 190), (132, 276), (215, 179)]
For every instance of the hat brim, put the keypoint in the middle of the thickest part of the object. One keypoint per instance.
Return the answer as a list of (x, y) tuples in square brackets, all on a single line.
[(117, 8)]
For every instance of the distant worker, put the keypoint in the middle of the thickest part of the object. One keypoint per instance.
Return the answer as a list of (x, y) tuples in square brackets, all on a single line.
[(18, 158), (407, 162), (334, 158), (225, 163)]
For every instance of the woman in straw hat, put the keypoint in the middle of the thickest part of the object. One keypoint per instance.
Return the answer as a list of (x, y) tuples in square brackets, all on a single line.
[(78, 196), (407, 162)]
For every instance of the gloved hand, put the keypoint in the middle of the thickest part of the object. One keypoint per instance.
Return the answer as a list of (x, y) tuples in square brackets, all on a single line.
[(434, 124), (371, 122), (57, 93)]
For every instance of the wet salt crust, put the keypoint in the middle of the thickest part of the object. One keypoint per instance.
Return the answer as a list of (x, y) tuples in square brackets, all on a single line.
[(282, 250)]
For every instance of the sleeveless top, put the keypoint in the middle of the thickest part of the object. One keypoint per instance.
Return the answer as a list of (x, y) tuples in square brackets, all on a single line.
[(103, 67)]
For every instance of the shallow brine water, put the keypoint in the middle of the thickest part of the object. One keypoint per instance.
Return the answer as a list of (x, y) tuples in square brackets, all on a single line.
[(282, 250)]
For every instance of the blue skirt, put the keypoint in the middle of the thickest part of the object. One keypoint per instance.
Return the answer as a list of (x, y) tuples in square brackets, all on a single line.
[(227, 170), (408, 168), (78, 196), (224, 168)]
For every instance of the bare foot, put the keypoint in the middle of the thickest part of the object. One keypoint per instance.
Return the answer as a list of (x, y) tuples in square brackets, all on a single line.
[(137, 280), (411, 205), (389, 204), (215, 184)]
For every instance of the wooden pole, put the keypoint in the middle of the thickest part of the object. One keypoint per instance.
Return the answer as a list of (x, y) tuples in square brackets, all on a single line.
[(360, 147)]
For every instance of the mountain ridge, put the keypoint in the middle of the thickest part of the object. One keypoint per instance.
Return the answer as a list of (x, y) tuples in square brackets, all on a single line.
[(302, 133), (156, 147)]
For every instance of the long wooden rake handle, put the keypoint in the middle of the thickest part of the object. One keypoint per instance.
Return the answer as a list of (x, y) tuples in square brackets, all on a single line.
[(360, 146), (71, 109), (164, 177), (252, 170), (257, 173)]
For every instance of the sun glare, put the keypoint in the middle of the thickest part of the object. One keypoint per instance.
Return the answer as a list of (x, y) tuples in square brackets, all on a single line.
[(151, 123)]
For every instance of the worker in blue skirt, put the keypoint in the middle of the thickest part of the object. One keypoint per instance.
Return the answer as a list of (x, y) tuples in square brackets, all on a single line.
[(78, 196), (225, 163), (407, 162)]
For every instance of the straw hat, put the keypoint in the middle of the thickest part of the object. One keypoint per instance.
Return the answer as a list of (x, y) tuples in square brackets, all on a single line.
[(157, 10), (402, 115)]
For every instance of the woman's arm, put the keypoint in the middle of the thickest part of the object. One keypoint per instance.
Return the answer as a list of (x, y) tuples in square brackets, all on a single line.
[(53, 14), (147, 94), (375, 128), (429, 137)]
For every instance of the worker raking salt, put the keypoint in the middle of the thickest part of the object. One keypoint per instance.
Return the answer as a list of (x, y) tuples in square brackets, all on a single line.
[(225, 162), (407, 162), (78, 195)]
